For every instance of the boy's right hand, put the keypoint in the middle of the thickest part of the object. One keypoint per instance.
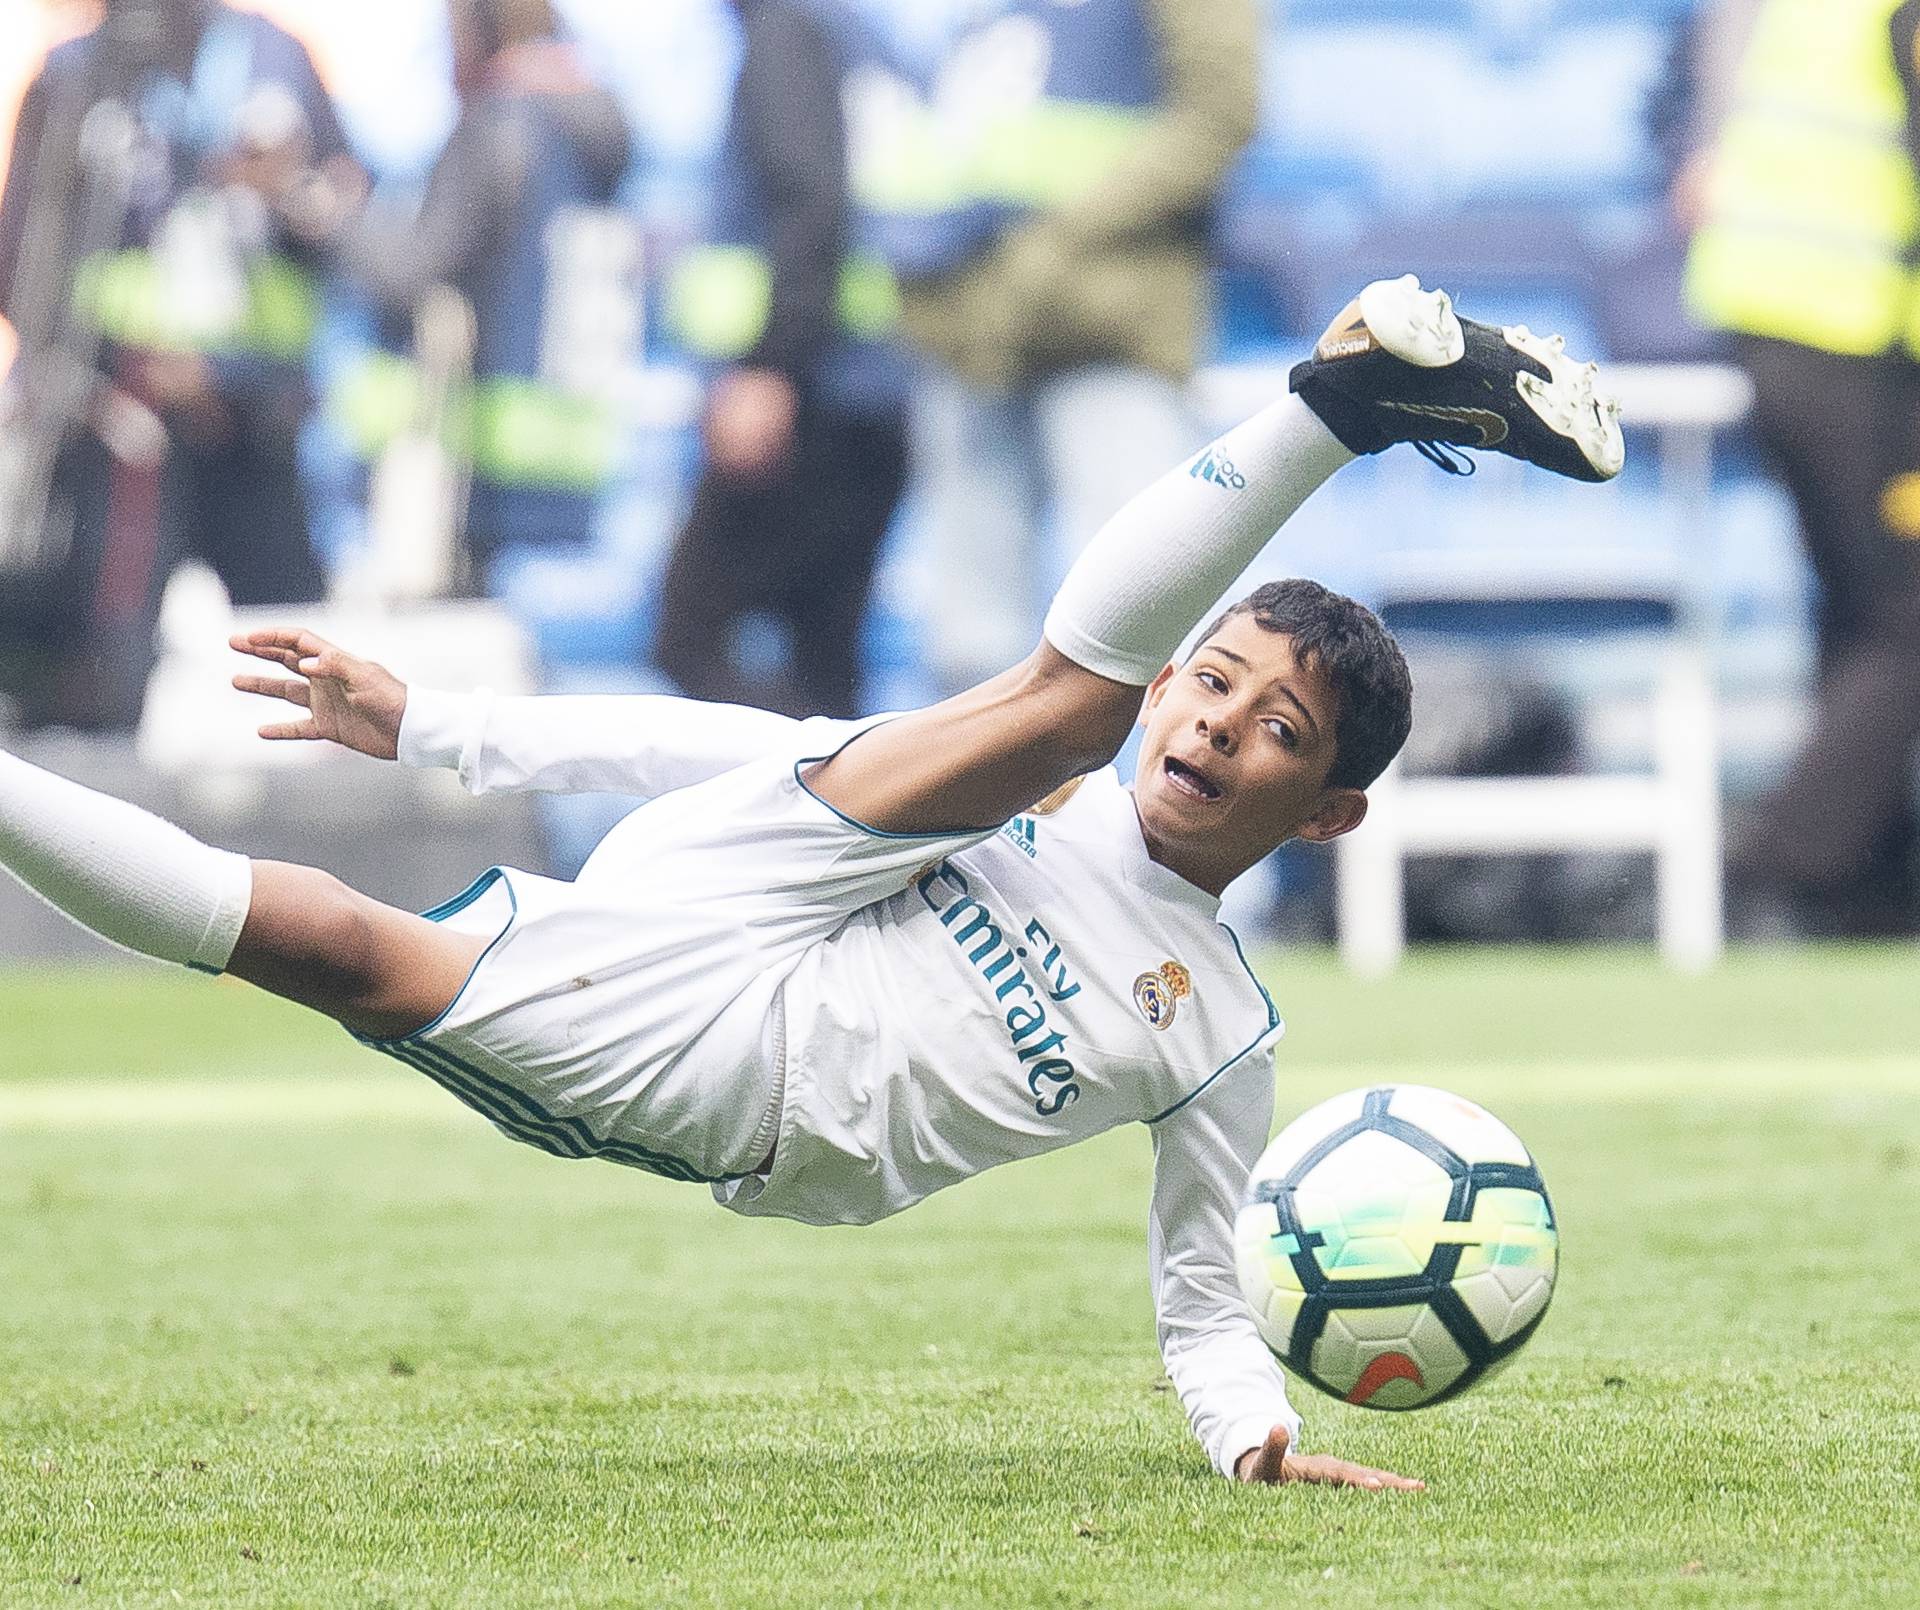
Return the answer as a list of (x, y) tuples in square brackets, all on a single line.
[(1275, 1464), (349, 701)]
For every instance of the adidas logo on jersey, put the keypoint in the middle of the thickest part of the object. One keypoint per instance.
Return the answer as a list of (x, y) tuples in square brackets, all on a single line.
[(1214, 465), (1021, 831)]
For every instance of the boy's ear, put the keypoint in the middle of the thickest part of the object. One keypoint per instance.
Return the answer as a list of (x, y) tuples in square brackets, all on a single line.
[(1341, 810), (1155, 689)]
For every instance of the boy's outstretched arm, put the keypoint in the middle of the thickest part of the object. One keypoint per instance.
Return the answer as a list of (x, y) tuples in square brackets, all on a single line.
[(642, 744), (1229, 1384)]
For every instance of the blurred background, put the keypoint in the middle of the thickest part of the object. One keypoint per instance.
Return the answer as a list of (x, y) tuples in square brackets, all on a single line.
[(785, 351)]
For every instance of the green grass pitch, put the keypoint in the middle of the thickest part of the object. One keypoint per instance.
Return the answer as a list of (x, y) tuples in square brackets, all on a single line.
[(280, 1324)]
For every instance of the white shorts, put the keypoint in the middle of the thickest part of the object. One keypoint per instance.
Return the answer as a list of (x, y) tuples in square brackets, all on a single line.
[(633, 1014)]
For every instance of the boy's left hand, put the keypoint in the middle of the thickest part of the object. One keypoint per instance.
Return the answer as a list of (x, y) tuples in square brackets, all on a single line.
[(1272, 1463)]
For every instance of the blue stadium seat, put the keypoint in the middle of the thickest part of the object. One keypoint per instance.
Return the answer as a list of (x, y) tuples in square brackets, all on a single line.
[(1563, 614), (893, 667), (1653, 13), (1528, 266), (1425, 107), (1291, 15)]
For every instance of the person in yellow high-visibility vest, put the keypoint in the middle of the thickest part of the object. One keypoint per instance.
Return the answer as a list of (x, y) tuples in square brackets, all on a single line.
[(1809, 229), (1060, 286), (137, 264), (519, 218)]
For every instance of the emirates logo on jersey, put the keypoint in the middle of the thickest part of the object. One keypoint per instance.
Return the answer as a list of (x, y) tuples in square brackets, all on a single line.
[(1024, 980)]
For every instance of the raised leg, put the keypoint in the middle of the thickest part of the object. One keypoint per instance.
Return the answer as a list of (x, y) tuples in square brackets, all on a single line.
[(1398, 365)]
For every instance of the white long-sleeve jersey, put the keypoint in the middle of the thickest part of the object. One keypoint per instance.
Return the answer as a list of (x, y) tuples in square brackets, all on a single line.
[(1043, 985)]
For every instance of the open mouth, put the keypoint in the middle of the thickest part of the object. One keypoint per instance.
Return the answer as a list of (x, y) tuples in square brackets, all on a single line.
[(1186, 780)]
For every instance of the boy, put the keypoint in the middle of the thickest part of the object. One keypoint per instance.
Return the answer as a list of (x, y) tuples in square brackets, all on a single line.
[(829, 968)]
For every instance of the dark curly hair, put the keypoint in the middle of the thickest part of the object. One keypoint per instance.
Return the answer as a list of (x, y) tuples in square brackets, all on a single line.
[(1360, 660)]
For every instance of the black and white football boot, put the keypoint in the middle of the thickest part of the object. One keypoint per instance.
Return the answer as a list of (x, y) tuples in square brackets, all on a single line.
[(1399, 365)]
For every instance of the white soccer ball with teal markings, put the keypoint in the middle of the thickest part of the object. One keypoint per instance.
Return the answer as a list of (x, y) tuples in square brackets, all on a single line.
[(1396, 1245)]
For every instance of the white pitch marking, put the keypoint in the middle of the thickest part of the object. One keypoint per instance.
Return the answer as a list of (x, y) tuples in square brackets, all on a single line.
[(128, 1104)]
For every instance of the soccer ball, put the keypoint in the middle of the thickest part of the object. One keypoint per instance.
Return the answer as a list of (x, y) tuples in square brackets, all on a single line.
[(1396, 1245)]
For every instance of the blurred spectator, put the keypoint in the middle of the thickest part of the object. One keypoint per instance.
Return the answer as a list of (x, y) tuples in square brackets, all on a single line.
[(514, 220), (1809, 222), (1691, 109), (1064, 289), (164, 327), (805, 431)]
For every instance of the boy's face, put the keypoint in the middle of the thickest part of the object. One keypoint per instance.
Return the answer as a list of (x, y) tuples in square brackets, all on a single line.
[(1238, 744)]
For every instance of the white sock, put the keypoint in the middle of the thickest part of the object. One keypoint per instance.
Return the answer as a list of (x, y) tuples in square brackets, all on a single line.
[(127, 875), (1157, 567)]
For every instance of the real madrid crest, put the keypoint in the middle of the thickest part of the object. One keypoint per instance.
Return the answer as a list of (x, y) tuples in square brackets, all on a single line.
[(1159, 994)]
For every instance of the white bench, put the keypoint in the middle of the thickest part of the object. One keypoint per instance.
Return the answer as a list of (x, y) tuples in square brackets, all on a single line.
[(1673, 810)]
